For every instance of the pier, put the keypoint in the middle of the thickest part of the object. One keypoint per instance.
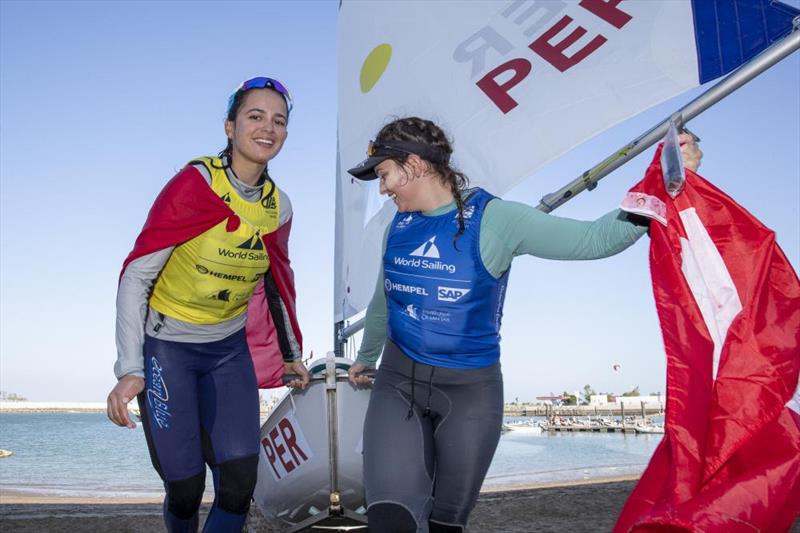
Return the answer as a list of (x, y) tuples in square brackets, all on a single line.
[(645, 409), (617, 428), (608, 418)]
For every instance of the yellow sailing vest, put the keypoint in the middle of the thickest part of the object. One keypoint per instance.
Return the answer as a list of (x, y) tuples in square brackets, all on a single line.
[(210, 278)]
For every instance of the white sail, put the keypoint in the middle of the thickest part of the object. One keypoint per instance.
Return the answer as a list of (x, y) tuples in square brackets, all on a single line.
[(515, 83)]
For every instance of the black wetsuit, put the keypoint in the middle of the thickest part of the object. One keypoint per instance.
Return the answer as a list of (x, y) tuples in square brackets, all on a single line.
[(435, 472)]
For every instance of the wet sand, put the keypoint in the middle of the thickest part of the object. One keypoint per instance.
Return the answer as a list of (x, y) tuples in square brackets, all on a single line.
[(578, 507)]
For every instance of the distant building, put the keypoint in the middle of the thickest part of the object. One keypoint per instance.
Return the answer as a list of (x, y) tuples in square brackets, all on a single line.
[(635, 402), (550, 400), (598, 399)]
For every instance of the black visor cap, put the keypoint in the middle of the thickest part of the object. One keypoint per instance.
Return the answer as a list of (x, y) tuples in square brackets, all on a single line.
[(382, 151)]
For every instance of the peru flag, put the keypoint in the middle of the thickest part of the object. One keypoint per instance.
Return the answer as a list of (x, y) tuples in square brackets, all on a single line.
[(729, 305)]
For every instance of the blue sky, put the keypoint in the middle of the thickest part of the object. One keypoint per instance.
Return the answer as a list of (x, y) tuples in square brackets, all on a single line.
[(101, 102)]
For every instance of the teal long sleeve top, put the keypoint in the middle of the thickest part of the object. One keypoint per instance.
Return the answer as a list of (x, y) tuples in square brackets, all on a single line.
[(509, 229)]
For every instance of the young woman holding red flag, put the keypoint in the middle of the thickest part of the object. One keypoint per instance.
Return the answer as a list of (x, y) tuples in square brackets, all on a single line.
[(206, 314), (436, 407)]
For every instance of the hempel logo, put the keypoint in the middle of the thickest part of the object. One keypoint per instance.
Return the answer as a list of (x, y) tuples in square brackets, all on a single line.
[(427, 249), (390, 286)]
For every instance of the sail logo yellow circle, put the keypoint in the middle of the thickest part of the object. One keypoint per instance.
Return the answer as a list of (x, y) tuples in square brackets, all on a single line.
[(374, 66)]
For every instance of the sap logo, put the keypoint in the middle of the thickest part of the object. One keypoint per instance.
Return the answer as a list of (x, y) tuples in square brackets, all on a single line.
[(451, 294), (427, 249)]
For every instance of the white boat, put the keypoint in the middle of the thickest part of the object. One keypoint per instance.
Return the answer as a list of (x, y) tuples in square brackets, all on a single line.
[(310, 463), (523, 426), (649, 429)]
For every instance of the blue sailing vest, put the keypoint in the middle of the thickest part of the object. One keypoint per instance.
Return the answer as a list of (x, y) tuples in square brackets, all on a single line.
[(444, 306)]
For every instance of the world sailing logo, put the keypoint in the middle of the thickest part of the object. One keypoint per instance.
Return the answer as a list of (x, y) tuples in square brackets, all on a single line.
[(405, 222), (253, 243), (427, 249)]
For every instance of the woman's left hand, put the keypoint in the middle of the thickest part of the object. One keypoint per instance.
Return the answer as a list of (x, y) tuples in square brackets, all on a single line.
[(690, 151), (296, 367)]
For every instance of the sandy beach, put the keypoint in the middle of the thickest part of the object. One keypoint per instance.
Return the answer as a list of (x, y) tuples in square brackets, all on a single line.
[(575, 507)]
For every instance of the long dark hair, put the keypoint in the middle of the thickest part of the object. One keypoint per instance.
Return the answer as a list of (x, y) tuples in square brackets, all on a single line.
[(424, 131)]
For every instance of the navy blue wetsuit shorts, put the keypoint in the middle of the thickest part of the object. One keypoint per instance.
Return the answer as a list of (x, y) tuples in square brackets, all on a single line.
[(200, 406)]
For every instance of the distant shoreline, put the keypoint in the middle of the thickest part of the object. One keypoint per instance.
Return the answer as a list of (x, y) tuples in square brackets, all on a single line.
[(51, 407), (62, 407), (14, 496)]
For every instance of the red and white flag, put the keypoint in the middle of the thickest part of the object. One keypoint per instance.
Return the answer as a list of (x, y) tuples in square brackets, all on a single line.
[(729, 305)]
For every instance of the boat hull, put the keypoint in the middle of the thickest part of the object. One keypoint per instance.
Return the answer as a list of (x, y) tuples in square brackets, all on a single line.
[(310, 460)]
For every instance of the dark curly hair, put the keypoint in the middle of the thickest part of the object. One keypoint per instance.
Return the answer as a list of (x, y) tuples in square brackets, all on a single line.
[(424, 131)]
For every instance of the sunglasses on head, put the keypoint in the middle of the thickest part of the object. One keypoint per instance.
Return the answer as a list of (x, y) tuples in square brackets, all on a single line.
[(424, 150), (262, 82), (374, 147)]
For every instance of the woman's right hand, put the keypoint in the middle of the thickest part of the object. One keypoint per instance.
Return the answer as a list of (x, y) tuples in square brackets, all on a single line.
[(117, 405), (691, 153), (355, 378)]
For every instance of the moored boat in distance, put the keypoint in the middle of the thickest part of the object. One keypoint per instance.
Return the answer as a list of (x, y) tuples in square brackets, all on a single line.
[(522, 426), (649, 428)]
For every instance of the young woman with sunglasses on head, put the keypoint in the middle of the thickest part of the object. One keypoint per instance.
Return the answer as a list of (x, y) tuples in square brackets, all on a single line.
[(205, 315), (436, 407)]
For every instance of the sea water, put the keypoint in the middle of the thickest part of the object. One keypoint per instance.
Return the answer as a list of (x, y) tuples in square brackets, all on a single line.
[(83, 454), (523, 457)]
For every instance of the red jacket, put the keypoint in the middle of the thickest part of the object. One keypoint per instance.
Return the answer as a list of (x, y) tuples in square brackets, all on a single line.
[(187, 207)]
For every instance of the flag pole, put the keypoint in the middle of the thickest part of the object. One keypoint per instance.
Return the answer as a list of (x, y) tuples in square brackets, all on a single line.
[(763, 61)]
